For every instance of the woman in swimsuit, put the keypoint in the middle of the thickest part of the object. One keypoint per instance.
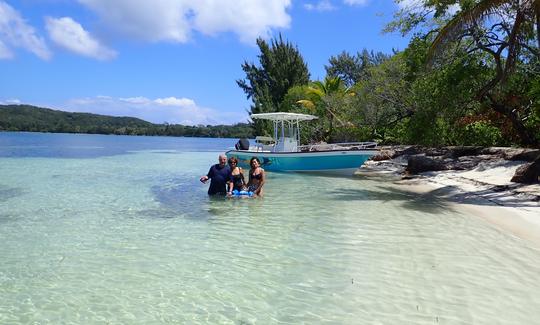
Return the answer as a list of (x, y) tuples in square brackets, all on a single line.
[(237, 176), (256, 177)]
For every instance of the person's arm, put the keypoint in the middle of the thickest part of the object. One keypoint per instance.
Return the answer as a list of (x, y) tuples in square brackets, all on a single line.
[(261, 182), (231, 186), (242, 174), (249, 179), (205, 178), (229, 183)]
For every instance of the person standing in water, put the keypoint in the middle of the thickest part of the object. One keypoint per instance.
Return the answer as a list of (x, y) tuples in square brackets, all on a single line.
[(237, 175), (220, 178), (256, 177)]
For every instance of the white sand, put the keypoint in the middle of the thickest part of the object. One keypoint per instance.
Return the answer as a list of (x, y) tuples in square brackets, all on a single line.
[(487, 192)]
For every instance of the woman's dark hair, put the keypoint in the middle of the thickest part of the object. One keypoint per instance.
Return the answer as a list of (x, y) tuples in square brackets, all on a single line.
[(253, 159), (233, 160)]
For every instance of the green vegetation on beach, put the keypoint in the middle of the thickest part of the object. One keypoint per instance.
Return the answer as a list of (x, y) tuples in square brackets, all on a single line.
[(35, 119), (467, 77)]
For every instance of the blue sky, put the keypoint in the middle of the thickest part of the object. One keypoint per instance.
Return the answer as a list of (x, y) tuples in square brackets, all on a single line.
[(170, 61)]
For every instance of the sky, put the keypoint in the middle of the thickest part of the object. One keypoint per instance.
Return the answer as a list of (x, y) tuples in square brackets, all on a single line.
[(174, 61)]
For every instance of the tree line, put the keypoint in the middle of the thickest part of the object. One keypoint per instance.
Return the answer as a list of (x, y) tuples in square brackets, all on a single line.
[(36, 119), (470, 75)]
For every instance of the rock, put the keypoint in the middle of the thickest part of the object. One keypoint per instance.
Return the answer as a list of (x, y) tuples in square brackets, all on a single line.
[(464, 163), (382, 169), (528, 173), (460, 151), (521, 154), (383, 155), (407, 151), (435, 152), (420, 163)]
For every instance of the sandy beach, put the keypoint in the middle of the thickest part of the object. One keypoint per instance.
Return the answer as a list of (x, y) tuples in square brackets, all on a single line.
[(485, 192)]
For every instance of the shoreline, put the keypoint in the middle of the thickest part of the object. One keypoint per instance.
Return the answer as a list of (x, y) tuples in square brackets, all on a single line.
[(484, 191), (520, 221)]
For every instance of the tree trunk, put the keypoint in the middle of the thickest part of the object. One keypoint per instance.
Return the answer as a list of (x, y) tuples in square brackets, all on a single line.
[(524, 134)]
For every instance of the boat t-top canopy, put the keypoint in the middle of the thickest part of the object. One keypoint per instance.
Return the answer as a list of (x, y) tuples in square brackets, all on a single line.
[(286, 129), (283, 116)]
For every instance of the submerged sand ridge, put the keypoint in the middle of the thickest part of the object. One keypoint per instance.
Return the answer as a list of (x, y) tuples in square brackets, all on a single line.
[(477, 180)]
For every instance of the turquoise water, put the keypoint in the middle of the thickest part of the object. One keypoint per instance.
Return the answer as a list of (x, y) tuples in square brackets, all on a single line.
[(109, 229)]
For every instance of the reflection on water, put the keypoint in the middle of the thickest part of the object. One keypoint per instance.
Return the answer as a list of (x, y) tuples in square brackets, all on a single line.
[(135, 239)]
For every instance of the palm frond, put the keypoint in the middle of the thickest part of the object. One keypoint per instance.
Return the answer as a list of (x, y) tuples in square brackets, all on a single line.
[(315, 92), (306, 103), (461, 21)]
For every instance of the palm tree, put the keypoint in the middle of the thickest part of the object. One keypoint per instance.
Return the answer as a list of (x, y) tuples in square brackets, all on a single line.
[(505, 51), (327, 95)]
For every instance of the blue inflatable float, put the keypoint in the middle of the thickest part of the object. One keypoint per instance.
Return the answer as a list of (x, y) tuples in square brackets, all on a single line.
[(242, 193)]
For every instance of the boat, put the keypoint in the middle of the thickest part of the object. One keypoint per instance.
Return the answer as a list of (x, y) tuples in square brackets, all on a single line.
[(284, 153)]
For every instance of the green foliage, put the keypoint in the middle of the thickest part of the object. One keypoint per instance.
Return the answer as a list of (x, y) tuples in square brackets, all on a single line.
[(505, 36), (353, 68), (480, 133), (383, 98), (281, 67), (291, 99), (533, 121), (35, 119), (327, 100)]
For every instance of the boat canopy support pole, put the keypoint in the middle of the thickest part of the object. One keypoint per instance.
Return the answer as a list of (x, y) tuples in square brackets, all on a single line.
[(275, 134)]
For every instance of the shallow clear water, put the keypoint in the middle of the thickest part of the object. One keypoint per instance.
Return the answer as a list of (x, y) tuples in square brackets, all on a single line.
[(98, 229)]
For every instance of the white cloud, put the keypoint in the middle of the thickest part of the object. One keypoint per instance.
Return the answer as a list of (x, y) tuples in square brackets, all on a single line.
[(15, 32), (5, 52), (356, 2), (70, 35), (173, 101), (12, 101), (176, 20), (249, 19), (170, 109), (323, 5)]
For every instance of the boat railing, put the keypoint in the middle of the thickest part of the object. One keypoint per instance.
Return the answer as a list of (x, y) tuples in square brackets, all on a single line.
[(338, 146)]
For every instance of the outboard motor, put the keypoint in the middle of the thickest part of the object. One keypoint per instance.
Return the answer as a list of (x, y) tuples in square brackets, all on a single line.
[(242, 144)]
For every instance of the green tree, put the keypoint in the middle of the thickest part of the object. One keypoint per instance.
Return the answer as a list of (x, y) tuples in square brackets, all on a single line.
[(325, 99), (384, 98), (353, 68), (281, 67), (502, 36), (506, 38)]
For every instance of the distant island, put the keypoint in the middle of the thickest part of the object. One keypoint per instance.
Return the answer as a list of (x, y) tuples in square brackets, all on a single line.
[(37, 119)]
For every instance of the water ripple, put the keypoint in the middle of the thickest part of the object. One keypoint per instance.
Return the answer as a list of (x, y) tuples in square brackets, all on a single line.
[(135, 239)]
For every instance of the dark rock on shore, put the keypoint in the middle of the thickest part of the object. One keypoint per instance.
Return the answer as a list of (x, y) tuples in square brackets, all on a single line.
[(420, 163), (420, 159), (528, 173)]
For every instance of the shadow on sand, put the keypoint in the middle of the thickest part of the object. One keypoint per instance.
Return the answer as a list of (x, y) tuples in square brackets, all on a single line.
[(185, 197), (428, 202)]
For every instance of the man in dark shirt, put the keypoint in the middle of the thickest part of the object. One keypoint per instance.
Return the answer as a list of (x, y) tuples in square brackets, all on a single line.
[(220, 176)]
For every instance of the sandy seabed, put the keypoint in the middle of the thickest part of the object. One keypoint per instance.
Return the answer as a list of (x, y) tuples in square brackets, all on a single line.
[(485, 192)]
